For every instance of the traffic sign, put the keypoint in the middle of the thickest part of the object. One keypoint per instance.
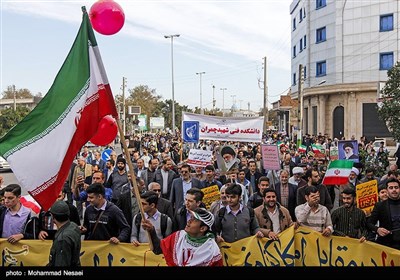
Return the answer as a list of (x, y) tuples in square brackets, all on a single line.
[(105, 155)]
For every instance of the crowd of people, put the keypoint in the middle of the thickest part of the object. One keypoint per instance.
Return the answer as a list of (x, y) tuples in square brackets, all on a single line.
[(98, 201)]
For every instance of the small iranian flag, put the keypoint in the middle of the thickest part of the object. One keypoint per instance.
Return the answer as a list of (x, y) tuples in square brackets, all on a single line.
[(302, 149), (338, 172), (41, 148), (318, 149)]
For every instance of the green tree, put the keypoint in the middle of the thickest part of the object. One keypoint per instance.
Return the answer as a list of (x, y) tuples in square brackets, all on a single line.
[(9, 118), (19, 93), (389, 111), (165, 107)]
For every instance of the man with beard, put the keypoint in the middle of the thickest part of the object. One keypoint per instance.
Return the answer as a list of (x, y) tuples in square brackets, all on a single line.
[(387, 212), (348, 220), (272, 217), (313, 178), (118, 180)]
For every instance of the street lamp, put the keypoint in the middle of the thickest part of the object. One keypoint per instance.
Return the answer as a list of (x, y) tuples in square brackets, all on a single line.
[(172, 76), (223, 94), (201, 99)]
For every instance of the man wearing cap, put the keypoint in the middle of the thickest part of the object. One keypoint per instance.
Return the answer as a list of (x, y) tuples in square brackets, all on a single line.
[(66, 247), (193, 246)]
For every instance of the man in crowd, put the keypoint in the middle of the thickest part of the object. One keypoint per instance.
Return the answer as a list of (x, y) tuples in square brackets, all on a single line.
[(348, 220), (314, 215), (103, 219), (66, 248), (387, 212), (14, 216), (193, 246), (272, 217)]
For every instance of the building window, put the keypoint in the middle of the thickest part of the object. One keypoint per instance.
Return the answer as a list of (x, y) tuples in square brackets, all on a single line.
[(294, 51), (301, 44), (294, 79), (315, 119), (294, 24), (305, 119), (304, 12), (321, 35), (385, 61), (301, 15), (386, 23), (305, 72), (321, 68), (320, 4), (305, 41)]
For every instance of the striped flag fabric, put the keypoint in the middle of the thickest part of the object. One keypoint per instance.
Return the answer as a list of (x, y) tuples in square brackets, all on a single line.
[(338, 172), (318, 149), (41, 148), (302, 149)]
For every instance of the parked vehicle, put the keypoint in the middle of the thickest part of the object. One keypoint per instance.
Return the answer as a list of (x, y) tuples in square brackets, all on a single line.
[(4, 165), (388, 143)]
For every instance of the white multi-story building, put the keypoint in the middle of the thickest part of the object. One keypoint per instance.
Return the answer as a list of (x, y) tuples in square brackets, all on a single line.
[(345, 49)]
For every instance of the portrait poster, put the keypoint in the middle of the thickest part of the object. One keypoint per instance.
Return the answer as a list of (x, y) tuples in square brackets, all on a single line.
[(348, 149), (226, 158)]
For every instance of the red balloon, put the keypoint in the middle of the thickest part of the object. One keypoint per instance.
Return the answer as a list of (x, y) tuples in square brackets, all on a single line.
[(107, 17), (106, 131)]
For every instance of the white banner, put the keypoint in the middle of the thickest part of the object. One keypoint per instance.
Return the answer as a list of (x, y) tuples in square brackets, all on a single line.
[(199, 157), (156, 122), (227, 129)]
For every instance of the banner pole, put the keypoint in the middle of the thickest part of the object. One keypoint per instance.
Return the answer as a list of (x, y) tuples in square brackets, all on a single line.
[(133, 176)]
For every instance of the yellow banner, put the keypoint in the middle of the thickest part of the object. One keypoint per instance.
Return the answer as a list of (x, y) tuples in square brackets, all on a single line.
[(367, 196), (93, 253), (211, 194), (305, 247), (300, 247)]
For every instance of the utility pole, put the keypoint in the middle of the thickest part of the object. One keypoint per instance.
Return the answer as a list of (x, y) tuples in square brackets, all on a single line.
[(213, 87), (300, 108), (265, 111), (223, 97), (123, 105), (201, 98), (15, 98), (172, 74)]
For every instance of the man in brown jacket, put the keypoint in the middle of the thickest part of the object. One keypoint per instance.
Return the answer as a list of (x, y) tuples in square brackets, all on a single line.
[(272, 217)]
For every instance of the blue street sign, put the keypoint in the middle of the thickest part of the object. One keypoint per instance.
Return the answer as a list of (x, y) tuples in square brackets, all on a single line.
[(105, 155), (190, 131)]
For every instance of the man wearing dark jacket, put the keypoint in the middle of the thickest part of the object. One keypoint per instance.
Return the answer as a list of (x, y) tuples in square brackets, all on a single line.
[(387, 212), (103, 219), (66, 247)]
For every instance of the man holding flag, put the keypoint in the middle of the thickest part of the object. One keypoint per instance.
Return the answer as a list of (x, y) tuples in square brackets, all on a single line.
[(65, 119)]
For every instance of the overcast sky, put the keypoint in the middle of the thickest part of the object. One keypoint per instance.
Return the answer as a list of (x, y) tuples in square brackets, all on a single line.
[(225, 39)]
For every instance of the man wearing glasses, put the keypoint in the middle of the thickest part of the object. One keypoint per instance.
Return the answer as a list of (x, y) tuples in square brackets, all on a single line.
[(163, 205), (181, 185)]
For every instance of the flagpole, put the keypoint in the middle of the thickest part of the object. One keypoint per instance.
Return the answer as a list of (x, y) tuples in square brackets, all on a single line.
[(133, 176)]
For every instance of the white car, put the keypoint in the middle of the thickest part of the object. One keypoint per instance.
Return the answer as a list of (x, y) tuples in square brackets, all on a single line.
[(4, 165)]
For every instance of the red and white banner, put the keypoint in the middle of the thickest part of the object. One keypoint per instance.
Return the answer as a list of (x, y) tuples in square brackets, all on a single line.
[(227, 129), (199, 157)]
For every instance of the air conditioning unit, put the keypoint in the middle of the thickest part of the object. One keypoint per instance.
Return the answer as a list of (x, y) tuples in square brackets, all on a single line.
[(134, 110)]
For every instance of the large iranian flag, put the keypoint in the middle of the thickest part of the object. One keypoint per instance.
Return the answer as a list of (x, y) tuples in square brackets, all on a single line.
[(41, 148), (338, 172)]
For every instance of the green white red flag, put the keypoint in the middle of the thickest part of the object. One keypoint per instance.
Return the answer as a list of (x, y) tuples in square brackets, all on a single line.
[(318, 149), (338, 172), (302, 149), (41, 148)]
